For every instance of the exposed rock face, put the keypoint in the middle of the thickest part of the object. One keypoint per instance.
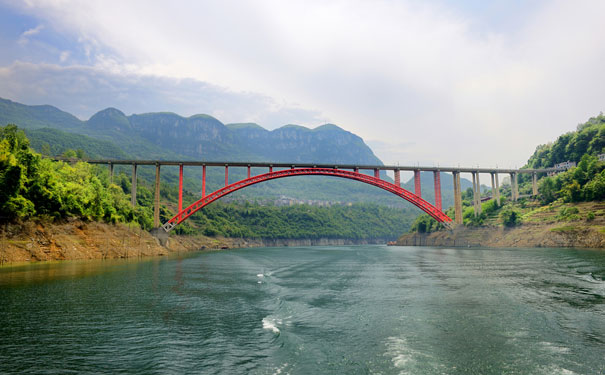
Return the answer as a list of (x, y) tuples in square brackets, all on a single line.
[(527, 235), (76, 239)]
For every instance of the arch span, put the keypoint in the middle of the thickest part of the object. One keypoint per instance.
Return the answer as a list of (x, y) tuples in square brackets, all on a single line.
[(385, 185)]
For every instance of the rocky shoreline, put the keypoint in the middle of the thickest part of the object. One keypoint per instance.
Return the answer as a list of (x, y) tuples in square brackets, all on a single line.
[(523, 236), (33, 241)]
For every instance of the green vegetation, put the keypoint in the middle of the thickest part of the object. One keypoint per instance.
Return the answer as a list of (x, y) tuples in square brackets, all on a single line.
[(31, 186), (34, 187), (588, 139), (52, 142), (584, 183), (510, 217), (249, 220)]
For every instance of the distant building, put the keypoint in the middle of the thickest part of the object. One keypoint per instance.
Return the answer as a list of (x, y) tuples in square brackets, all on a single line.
[(561, 167), (601, 157), (565, 165)]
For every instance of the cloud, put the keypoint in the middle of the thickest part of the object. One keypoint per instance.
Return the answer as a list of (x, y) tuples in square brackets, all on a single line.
[(84, 90), (427, 74), (25, 36)]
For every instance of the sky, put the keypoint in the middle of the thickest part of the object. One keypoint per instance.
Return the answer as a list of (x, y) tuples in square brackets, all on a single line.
[(470, 83)]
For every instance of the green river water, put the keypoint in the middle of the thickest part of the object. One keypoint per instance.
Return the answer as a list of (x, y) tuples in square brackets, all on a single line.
[(310, 310)]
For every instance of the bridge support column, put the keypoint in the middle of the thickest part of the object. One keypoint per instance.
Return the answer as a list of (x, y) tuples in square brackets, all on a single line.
[(203, 181), (534, 183), (133, 189), (156, 206), (497, 189), (457, 198), (111, 173), (271, 169), (417, 187), (376, 173), (437, 187), (248, 171), (226, 175), (494, 188), (514, 194), (180, 187), (397, 178), (476, 193)]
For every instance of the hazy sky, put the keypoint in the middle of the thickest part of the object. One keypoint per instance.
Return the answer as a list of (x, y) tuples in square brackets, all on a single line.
[(441, 82)]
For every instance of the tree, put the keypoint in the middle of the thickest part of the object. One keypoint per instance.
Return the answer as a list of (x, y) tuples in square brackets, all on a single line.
[(510, 217)]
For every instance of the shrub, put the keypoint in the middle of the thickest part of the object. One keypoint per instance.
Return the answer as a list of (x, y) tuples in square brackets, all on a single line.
[(510, 217)]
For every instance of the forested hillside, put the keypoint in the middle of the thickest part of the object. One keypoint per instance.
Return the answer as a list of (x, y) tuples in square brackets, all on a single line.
[(589, 138), (32, 187), (111, 134)]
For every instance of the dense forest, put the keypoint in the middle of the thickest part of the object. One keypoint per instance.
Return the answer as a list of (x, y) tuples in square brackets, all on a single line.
[(589, 138), (32, 186)]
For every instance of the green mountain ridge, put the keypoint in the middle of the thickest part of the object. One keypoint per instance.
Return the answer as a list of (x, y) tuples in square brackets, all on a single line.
[(112, 134)]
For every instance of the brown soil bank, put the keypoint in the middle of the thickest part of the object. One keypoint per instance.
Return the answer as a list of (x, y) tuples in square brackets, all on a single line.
[(526, 235), (76, 239)]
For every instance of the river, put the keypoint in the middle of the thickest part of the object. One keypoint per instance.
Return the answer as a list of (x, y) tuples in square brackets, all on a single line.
[(310, 310)]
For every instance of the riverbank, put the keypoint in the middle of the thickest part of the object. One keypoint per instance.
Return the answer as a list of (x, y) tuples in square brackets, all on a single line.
[(33, 241), (528, 235), (547, 226)]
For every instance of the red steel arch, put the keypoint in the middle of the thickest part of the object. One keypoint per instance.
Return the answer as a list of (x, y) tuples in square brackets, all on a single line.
[(385, 185)]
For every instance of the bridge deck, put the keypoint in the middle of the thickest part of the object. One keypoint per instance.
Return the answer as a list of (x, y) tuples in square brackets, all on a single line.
[(310, 165)]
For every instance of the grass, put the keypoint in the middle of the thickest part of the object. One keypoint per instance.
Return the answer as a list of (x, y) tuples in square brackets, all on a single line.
[(565, 229)]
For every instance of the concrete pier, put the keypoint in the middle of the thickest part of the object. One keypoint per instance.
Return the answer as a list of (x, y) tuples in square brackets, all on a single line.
[(133, 190), (457, 198), (476, 193), (156, 206), (534, 183), (497, 189), (514, 188), (111, 173), (397, 178)]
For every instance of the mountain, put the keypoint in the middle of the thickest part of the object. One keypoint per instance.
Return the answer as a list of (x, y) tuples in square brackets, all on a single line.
[(112, 134), (36, 116)]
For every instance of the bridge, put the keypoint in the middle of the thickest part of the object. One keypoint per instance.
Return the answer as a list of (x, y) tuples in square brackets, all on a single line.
[(348, 171)]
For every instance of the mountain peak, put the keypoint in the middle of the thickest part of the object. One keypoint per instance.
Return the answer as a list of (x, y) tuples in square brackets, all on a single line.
[(245, 125), (109, 118), (325, 127)]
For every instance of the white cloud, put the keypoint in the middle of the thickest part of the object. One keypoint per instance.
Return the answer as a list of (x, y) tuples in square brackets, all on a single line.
[(64, 56), (83, 90), (399, 72), (24, 38)]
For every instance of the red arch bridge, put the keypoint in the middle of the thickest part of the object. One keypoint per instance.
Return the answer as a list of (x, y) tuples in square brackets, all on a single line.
[(351, 172)]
